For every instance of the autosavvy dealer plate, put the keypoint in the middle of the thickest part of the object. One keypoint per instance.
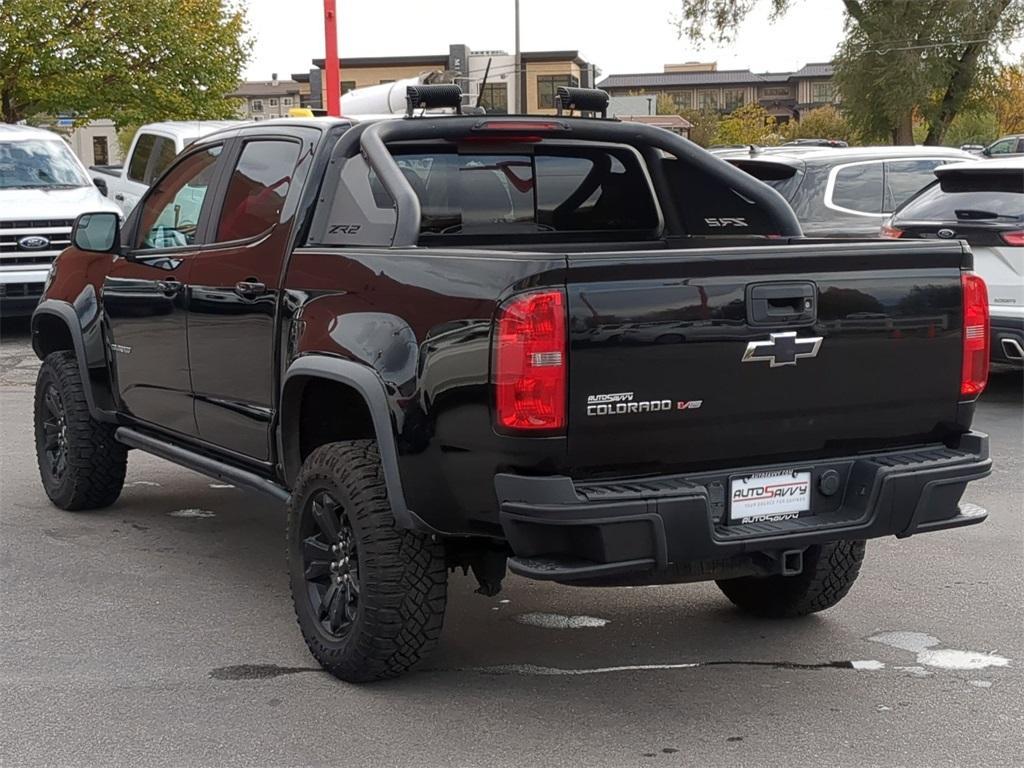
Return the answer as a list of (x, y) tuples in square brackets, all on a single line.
[(769, 496)]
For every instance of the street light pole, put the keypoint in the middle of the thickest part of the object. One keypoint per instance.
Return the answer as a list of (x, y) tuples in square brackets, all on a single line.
[(332, 67), (518, 90)]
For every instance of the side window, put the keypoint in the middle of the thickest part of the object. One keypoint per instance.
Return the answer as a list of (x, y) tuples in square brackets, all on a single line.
[(170, 212), (904, 178), (257, 189), (1004, 147), (163, 155), (856, 188), (140, 157)]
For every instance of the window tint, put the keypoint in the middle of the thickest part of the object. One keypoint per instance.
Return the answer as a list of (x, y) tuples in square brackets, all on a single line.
[(552, 190), (904, 178), (163, 156), (994, 197), (784, 178), (858, 188), (140, 157), (170, 212), (257, 189)]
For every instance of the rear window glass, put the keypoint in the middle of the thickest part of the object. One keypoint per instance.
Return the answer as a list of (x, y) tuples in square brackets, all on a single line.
[(140, 157), (552, 190), (904, 178), (858, 188), (785, 179), (960, 201)]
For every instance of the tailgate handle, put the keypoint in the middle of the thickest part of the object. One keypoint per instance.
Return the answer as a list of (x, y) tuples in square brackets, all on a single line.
[(782, 303)]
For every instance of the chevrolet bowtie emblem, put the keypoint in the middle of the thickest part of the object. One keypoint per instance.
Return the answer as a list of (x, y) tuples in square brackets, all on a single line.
[(782, 349)]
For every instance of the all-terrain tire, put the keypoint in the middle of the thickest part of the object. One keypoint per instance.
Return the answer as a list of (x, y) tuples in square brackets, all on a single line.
[(829, 572), (403, 581), (91, 474)]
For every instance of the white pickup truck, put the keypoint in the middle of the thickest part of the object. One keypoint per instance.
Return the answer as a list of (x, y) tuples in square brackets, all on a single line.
[(152, 150), (43, 189)]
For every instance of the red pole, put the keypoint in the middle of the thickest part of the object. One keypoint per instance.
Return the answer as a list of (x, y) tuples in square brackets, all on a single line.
[(332, 67)]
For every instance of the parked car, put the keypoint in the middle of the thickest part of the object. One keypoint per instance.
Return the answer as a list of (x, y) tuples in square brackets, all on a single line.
[(43, 189), (847, 192), (400, 329), (152, 150), (981, 202), (1007, 145)]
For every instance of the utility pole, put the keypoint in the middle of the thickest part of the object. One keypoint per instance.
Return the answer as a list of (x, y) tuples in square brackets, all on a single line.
[(518, 90), (332, 67)]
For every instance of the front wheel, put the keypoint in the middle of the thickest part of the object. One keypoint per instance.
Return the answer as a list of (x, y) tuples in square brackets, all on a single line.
[(369, 597), (829, 572), (81, 465)]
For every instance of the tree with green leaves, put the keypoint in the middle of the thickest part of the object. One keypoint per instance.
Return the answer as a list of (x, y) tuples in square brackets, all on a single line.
[(822, 123), (133, 61), (749, 124), (899, 57)]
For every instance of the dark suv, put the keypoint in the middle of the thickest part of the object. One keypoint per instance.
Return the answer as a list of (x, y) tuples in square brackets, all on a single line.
[(846, 192)]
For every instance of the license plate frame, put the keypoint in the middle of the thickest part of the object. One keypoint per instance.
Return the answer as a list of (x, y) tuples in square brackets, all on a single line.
[(772, 496)]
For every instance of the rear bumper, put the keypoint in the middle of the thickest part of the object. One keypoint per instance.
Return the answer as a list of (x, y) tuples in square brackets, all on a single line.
[(568, 531), (1007, 340)]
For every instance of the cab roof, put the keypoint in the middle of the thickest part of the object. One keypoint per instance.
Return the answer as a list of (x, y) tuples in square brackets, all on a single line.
[(26, 133)]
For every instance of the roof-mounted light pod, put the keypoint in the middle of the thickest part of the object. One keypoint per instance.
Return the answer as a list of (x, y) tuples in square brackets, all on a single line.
[(441, 96), (581, 100)]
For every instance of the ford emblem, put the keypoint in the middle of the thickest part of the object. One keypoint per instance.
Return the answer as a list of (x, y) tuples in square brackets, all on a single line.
[(945, 233), (33, 243)]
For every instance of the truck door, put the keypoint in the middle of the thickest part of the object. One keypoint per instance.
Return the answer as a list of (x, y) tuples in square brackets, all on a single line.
[(144, 298), (233, 292)]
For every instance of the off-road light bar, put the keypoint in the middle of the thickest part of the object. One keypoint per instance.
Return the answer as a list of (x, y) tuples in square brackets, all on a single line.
[(582, 100), (432, 97)]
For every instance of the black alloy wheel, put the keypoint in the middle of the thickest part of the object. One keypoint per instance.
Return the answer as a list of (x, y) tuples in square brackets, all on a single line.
[(55, 433), (331, 564)]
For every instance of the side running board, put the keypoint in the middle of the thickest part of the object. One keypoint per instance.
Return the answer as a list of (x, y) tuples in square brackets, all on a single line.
[(200, 463)]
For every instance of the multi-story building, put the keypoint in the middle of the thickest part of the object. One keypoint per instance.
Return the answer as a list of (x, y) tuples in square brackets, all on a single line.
[(265, 99), (694, 85), (489, 76)]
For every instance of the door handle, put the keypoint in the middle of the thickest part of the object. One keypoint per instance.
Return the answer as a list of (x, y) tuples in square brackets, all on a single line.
[(119, 196), (782, 303), (250, 287), (169, 287)]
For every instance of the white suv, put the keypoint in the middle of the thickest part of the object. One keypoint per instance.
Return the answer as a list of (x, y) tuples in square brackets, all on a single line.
[(43, 189), (982, 202)]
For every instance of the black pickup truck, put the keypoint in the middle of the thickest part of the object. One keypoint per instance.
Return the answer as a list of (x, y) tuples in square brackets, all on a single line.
[(582, 350)]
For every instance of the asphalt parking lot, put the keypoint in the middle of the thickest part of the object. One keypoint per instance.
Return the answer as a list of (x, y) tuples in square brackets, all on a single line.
[(160, 632)]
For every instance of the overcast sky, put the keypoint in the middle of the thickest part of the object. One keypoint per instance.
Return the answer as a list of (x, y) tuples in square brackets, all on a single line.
[(619, 36)]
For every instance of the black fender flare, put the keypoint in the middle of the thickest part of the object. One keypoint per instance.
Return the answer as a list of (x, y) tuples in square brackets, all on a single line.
[(369, 385), (86, 339)]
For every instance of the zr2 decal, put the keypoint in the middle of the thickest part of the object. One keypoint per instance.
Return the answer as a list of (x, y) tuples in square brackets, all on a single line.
[(726, 221), (343, 229)]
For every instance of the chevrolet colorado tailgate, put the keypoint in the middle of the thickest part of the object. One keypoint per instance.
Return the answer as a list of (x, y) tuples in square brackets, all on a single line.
[(692, 359)]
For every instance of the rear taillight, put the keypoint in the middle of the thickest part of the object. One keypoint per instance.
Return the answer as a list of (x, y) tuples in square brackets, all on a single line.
[(1013, 238), (530, 362), (974, 373), (888, 230)]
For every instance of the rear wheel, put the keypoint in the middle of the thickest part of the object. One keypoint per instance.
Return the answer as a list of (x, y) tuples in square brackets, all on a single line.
[(369, 597), (829, 572), (81, 465)]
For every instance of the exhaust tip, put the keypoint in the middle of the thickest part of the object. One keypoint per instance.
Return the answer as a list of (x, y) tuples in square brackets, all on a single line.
[(1012, 349)]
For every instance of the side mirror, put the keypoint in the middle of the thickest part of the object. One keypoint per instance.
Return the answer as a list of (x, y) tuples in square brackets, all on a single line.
[(987, 151), (97, 232), (101, 185)]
